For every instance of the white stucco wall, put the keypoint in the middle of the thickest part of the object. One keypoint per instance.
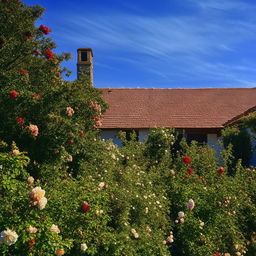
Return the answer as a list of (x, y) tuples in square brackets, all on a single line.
[(110, 135), (213, 141), (143, 134), (113, 135)]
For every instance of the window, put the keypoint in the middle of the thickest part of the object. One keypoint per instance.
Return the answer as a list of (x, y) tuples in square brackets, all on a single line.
[(84, 56), (200, 138)]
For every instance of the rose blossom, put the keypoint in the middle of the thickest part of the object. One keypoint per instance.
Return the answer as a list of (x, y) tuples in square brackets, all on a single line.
[(85, 207), (33, 129), (15, 152), (96, 106), (55, 229), (30, 180), (84, 247), (70, 111), (101, 185), (23, 71), (37, 194), (42, 203), (31, 242), (190, 171), (32, 230), (70, 142), (60, 252), (8, 237), (181, 215), (97, 120), (69, 158), (44, 29), (191, 204), (20, 120), (169, 239), (186, 159), (220, 170), (49, 54), (13, 94), (134, 233), (37, 96)]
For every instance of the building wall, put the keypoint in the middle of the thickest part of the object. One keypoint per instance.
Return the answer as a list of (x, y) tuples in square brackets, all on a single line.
[(212, 140), (143, 134), (111, 135)]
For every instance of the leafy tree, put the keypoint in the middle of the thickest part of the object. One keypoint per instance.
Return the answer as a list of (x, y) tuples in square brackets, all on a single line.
[(46, 116), (241, 144)]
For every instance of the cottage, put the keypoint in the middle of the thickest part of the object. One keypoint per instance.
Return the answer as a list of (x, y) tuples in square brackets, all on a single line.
[(199, 113)]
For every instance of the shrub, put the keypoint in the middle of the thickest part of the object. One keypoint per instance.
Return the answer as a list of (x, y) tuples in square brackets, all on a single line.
[(241, 144)]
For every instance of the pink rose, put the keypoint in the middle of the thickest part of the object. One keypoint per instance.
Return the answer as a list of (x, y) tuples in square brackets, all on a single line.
[(33, 129), (70, 111)]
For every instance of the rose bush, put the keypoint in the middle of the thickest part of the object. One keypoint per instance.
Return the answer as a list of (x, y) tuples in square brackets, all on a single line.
[(63, 191)]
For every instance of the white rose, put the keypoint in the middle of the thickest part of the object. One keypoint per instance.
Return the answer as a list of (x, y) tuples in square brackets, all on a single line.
[(32, 230), (84, 247), (8, 237), (191, 204), (55, 229), (181, 215), (42, 203)]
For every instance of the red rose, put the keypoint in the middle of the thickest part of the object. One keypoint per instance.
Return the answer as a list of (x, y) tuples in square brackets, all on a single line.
[(85, 207), (37, 96), (44, 29), (58, 74), (70, 142), (32, 242), (49, 54), (13, 94), (96, 118), (220, 170), (186, 159), (81, 134), (189, 171), (20, 120), (23, 71)]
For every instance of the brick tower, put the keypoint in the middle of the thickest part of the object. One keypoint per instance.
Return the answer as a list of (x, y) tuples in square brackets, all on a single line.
[(85, 63)]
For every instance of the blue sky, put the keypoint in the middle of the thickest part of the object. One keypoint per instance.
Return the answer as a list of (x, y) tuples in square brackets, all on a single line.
[(158, 44)]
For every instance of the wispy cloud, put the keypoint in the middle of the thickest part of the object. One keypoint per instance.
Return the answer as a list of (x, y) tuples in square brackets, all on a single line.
[(191, 44), (222, 5)]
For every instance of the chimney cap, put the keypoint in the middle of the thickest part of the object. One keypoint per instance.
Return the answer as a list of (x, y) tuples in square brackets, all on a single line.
[(85, 49)]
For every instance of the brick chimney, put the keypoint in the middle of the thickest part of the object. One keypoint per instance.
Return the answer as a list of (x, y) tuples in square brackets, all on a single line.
[(85, 63)]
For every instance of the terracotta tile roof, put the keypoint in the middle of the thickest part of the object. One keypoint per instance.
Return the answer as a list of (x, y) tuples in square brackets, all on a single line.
[(178, 108)]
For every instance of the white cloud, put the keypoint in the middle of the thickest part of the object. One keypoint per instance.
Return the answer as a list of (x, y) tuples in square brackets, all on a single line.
[(193, 44)]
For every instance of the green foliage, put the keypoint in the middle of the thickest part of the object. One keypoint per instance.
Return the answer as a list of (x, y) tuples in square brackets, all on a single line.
[(250, 121), (241, 144), (223, 206), (115, 201)]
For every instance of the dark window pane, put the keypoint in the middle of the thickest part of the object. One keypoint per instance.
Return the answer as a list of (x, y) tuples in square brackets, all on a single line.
[(83, 56), (200, 138)]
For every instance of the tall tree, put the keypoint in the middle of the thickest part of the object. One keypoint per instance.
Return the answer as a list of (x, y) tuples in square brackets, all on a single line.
[(45, 115)]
